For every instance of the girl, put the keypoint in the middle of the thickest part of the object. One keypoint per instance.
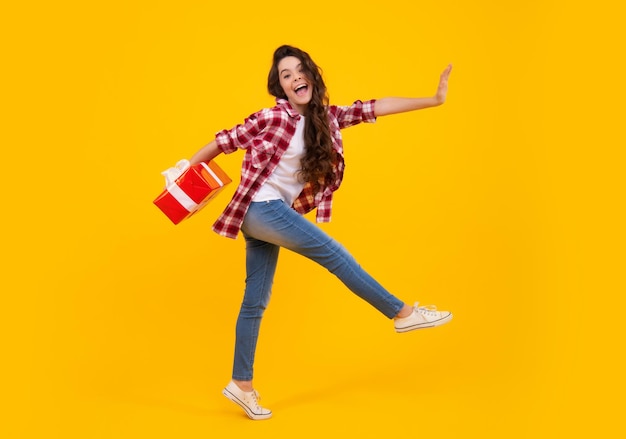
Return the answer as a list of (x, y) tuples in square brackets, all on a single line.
[(292, 165)]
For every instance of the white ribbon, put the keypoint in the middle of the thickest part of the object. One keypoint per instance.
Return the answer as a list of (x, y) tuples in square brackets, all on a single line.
[(182, 197), (172, 174), (213, 174)]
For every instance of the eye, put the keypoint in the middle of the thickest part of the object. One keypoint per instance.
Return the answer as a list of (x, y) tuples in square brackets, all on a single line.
[(286, 76)]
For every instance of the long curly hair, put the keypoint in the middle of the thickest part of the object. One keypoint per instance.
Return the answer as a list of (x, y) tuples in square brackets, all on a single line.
[(317, 164)]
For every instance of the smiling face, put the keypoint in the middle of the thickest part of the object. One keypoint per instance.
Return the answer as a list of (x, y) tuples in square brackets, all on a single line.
[(295, 83)]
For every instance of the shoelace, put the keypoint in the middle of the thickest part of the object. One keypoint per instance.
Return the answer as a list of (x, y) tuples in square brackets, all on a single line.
[(255, 400), (431, 310)]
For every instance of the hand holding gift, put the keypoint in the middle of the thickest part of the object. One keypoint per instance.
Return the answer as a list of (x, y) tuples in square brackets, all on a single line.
[(189, 188)]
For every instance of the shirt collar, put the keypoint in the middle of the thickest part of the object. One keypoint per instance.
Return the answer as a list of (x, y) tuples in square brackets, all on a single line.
[(287, 106)]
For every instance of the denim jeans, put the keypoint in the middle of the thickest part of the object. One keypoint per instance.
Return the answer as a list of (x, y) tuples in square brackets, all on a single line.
[(269, 225)]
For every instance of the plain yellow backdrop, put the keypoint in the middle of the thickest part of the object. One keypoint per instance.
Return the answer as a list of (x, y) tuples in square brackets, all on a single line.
[(504, 206)]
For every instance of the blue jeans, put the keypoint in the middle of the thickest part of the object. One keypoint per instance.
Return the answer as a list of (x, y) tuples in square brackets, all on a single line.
[(269, 225)]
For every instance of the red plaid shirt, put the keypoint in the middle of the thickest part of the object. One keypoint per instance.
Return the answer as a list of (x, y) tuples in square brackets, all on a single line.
[(265, 136)]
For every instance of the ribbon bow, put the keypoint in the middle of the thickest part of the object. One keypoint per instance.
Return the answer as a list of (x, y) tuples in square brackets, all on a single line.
[(172, 174)]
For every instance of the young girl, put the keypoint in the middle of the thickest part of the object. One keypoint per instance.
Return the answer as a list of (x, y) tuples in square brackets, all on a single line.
[(293, 163)]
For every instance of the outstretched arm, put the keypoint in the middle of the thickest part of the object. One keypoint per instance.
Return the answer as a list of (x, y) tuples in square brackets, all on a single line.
[(206, 153), (386, 106)]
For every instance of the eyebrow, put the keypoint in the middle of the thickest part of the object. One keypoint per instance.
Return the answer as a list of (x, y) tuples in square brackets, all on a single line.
[(281, 72)]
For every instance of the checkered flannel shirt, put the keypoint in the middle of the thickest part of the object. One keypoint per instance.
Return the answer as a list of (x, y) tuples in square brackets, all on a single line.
[(265, 135)]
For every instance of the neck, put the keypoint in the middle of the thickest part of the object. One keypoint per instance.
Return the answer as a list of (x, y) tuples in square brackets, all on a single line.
[(299, 108)]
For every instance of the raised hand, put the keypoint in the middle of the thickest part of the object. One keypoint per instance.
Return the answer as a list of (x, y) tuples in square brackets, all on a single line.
[(442, 89)]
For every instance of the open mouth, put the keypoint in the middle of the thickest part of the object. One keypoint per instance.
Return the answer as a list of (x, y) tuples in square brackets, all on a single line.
[(301, 89)]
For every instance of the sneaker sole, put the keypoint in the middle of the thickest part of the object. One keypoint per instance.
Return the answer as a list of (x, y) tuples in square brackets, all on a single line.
[(432, 324), (240, 403)]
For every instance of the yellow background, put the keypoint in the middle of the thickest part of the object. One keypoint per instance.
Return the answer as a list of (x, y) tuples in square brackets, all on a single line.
[(504, 206)]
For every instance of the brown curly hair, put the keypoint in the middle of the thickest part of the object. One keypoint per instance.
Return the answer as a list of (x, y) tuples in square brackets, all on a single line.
[(317, 165)]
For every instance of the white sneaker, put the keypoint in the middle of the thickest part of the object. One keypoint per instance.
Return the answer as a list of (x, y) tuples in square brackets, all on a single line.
[(422, 317), (249, 401)]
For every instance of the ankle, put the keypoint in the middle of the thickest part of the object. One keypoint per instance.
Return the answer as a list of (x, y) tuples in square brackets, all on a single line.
[(406, 311), (245, 386)]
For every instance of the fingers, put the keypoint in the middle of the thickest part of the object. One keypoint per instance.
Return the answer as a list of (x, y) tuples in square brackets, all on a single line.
[(442, 90)]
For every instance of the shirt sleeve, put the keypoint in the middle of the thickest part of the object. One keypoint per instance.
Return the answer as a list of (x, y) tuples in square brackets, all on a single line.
[(356, 113), (240, 136)]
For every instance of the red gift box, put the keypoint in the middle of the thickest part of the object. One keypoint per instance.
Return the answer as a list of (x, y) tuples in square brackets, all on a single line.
[(190, 191)]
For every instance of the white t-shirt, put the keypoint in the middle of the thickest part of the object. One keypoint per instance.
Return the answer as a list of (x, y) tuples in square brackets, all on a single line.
[(283, 183)]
